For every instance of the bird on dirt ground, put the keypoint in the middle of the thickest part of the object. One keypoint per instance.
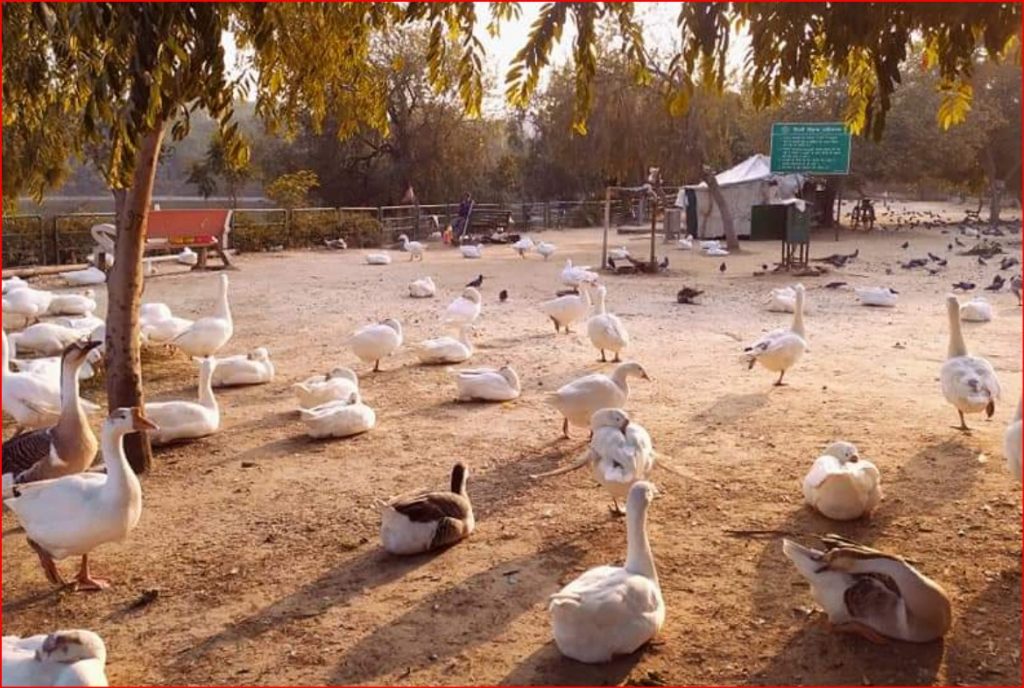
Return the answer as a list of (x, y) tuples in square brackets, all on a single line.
[(688, 294), (721, 268), (1008, 262), (964, 286), (1015, 287), (958, 242), (663, 265), (982, 261), (905, 245), (835, 285), (949, 247), (934, 257), (503, 295), (478, 282), (997, 283)]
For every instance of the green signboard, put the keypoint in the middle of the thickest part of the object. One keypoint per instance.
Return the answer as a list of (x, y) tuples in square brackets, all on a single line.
[(810, 148)]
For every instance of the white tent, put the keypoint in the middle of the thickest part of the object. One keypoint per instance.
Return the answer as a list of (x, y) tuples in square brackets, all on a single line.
[(743, 186)]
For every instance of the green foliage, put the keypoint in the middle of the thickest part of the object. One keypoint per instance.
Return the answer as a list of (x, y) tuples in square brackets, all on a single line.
[(252, 231), (292, 189), (219, 166)]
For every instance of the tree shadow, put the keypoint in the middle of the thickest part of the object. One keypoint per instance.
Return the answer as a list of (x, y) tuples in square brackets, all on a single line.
[(464, 615), (951, 460), (548, 667), (986, 634), (731, 408), (49, 596)]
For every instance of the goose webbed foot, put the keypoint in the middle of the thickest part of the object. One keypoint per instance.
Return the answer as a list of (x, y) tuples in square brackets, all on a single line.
[(963, 424), (866, 632), (565, 428), (616, 359), (616, 510), (47, 563), (603, 359), (779, 382), (85, 581)]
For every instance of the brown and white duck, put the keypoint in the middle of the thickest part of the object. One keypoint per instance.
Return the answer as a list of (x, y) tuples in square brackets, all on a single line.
[(62, 449), (422, 521)]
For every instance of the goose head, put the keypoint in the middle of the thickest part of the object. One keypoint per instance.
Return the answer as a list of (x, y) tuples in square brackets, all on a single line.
[(641, 494), (609, 418), (845, 452), (510, 375), (68, 647), (460, 476), (393, 324), (631, 368), (346, 373), (471, 294), (76, 353), (126, 420), (258, 354)]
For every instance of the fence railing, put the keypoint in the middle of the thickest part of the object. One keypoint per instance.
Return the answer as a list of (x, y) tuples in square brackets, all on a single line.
[(61, 239)]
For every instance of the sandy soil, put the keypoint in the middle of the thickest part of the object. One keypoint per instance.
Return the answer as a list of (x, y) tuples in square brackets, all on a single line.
[(263, 544)]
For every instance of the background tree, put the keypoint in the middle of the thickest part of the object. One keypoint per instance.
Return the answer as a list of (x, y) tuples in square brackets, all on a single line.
[(218, 168), (291, 190)]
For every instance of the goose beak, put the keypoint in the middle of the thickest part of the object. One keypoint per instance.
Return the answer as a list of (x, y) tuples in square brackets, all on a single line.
[(140, 422)]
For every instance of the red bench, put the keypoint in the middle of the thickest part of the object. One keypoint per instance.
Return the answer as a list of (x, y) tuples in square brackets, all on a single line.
[(198, 229)]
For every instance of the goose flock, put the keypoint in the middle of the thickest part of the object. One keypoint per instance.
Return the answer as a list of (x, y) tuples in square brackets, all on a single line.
[(68, 510)]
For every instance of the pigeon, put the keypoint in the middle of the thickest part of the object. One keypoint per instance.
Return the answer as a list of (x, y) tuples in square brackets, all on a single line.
[(949, 247), (764, 266), (958, 242), (943, 262), (721, 268), (1015, 287), (688, 294), (663, 265), (477, 282), (905, 245), (835, 285), (934, 257), (611, 263), (335, 244), (567, 292), (1008, 262), (997, 283), (914, 263), (964, 286), (981, 261), (503, 295)]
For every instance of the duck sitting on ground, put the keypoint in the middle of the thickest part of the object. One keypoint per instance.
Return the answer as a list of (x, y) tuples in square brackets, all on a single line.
[(422, 521), (62, 658)]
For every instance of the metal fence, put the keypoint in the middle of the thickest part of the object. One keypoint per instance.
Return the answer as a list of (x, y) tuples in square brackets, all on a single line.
[(62, 239)]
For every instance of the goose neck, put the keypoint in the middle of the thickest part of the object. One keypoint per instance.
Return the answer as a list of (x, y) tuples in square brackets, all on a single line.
[(798, 314), (6, 355), (639, 558), (223, 307), (923, 598), (957, 346), (69, 388), (119, 472), (206, 397)]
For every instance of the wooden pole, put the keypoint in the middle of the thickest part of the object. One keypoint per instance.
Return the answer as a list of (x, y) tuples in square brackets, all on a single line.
[(607, 225)]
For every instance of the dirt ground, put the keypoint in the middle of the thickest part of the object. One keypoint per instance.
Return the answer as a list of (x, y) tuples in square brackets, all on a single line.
[(262, 545)]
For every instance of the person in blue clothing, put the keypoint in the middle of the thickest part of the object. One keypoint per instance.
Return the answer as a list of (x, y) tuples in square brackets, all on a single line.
[(464, 209)]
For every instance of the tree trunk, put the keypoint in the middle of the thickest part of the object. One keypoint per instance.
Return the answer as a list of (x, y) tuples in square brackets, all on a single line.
[(995, 200), (732, 242), (124, 294)]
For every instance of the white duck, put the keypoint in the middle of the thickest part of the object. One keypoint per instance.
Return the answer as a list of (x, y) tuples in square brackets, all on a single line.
[(487, 384), (63, 658), (605, 329), (782, 300), (83, 323), (685, 243), (447, 349), (841, 485), (46, 338), (336, 385), (158, 325), (710, 244), (187, 257), (968, 382), (422, 288), (32, 400), (471, 251), (546, 249), (779, 350), (342, 418), (181, 420), (253, 368), (73, 304), (621, 253), (208, 335), (870, 593), (523, 246), (414, 248), (580, 399), (84, 278), (27, 303), (371, 343), (612, 610), (422, 521), (566, 310), (575, 275), (883, 297), (716, 252), (1012, 444), (620, 454), (378, 259), (465, 309), (13, 283), (73, 515), (976, 310)]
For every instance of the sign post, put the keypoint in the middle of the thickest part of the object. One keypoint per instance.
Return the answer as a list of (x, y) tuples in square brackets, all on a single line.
[(811, 148)]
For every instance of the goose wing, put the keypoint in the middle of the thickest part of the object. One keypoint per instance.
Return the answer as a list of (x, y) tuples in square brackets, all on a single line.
[(431, 506), (22, 452)]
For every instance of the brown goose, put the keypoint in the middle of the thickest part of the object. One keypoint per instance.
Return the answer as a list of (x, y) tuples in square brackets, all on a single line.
[(421, 521), (65, 448)]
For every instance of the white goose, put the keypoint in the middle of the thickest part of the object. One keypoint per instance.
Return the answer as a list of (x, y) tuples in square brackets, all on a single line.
[(13, 283), (414, 248), (779, 350), (782, 300), (612, 610), (422, 521), (870, 593), (447, 349), (187, 257), (882, 297), (546, 249), (580, 399), (338, 384), (32, 400), (27, 303), (968, 382), (378, 259), (621, 253), (63, 658), (87, 277), (208, 335), (371, 343), (158, 325), (471, 251), (465, 309), (73, 515), (487, 384), (73, 304), (523, 246), (342, 418), (253, 368), (574, 275), (976, 310), (180, 420), (1012, 444), (566, 310), (605, 330), (422, 288), (841, 485), (620, 454), (685, 243)]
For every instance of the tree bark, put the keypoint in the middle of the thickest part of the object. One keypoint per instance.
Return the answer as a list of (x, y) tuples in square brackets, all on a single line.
[(995, 200), (124, 295), (732, 242)]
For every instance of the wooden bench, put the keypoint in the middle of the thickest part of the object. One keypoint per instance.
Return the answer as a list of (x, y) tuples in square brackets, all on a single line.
[(486, 218), (197, 229)]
